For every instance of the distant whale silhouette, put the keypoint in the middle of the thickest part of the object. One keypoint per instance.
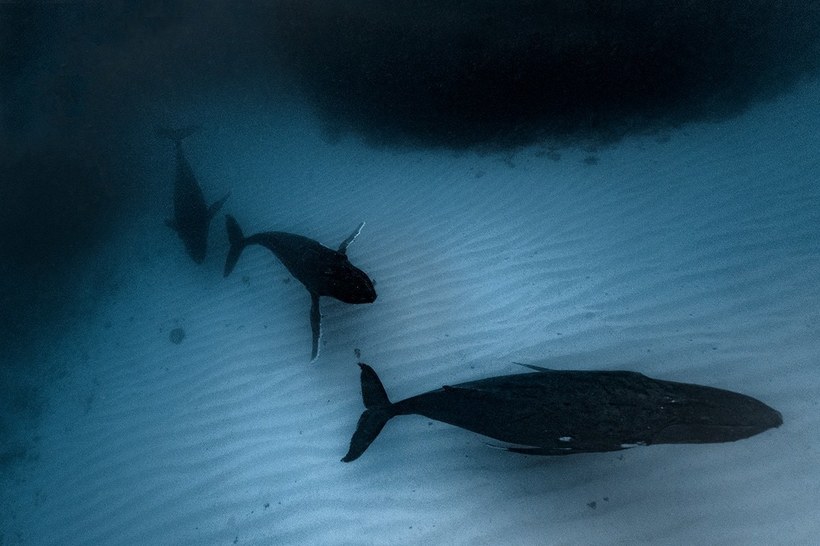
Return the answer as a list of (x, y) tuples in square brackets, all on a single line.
[(192, 216), (323, 271), (553, 412)]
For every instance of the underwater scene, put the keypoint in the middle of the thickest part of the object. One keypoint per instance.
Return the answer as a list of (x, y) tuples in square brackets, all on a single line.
[(321, 272)]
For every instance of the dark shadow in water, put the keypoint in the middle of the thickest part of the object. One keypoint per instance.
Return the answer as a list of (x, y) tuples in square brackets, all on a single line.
[(493, 74)]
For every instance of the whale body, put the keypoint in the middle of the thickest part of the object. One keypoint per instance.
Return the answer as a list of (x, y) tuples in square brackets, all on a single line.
[(551, 412), (192, 215), (322, 270)]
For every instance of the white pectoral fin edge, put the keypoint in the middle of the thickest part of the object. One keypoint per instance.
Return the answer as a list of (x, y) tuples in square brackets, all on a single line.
[(350, 239), (315, 326)]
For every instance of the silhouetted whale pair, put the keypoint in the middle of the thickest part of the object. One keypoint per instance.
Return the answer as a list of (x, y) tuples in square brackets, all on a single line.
[(323, 271)]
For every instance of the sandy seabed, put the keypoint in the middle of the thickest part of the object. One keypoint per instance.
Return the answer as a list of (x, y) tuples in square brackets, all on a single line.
[(689, 256)]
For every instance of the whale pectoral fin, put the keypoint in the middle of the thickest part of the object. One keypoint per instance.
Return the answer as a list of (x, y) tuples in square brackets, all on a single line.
[(532, 450), (172, 224), (538, 450), (213, 209), (350, 239), (315, 325), (568, 450), (515, 448)]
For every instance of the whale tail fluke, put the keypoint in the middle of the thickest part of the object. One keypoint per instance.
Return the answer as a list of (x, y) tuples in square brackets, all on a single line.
[(213, 209), (237, 241), (378, 411), (178, 134)]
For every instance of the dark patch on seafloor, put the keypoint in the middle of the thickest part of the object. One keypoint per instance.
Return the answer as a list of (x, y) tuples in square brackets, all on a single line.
[(177, 335)]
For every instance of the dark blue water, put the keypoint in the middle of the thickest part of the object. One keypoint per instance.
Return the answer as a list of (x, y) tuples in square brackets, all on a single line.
[(593, 183)]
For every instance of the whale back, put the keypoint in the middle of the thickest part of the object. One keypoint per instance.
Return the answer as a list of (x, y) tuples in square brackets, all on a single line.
[(564, 412)]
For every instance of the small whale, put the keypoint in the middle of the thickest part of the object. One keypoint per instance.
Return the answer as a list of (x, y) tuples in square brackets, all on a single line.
[(322, 270), (551, 412), (192, 216)]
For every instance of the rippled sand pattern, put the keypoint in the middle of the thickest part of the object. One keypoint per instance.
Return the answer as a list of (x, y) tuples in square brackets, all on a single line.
[(693, 258)]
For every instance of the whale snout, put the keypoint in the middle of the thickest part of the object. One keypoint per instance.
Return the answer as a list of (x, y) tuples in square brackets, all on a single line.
[(364, 292), (196, 246), (197, 250), (357, 288), (371, 295)]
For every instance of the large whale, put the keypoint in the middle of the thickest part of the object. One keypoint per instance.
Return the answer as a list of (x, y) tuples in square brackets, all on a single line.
[(192, 216), (551, 412), (322, 270)]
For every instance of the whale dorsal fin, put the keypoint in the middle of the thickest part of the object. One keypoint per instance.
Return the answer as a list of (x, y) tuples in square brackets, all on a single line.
[(350, 239), (534, 367)]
